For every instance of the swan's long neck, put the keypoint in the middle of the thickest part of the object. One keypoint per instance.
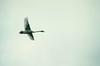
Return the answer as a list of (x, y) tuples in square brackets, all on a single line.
[(36, 31)]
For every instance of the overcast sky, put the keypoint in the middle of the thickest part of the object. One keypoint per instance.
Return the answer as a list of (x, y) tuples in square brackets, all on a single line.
[(71, 35)]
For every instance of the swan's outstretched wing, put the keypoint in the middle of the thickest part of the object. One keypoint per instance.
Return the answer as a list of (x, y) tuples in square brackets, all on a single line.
[(26, 24), (31, 36)]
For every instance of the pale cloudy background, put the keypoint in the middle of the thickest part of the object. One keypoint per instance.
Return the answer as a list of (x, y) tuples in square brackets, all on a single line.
[(71, 35)]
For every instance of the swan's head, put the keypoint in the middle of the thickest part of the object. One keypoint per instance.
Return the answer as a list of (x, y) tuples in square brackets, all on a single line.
[(42, 30)]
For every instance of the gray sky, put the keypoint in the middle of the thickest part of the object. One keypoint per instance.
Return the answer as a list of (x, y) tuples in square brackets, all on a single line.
[(71, 35)]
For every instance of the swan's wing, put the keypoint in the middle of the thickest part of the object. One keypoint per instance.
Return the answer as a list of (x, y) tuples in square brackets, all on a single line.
[(26, 24), (31, 36)]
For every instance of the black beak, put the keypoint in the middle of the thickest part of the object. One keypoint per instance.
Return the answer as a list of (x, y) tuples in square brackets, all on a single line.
[(42, 31)]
